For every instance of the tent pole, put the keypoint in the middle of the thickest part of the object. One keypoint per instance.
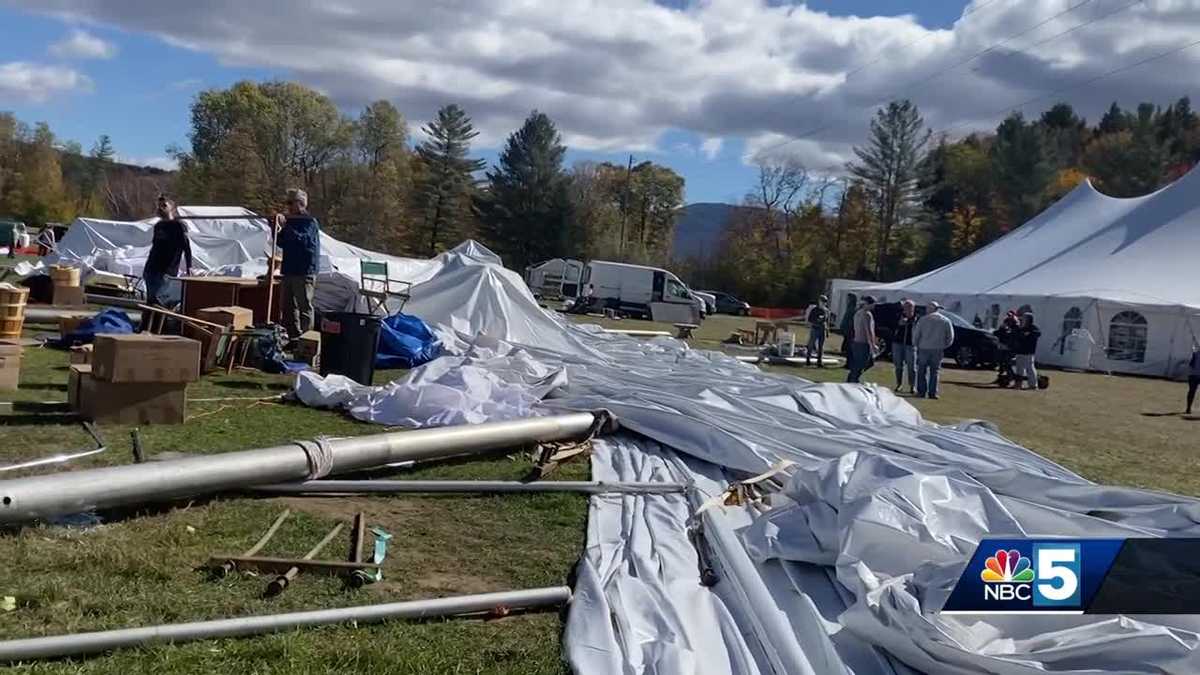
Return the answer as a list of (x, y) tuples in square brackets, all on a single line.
[(91, 643), (321, 488), (273, 223)]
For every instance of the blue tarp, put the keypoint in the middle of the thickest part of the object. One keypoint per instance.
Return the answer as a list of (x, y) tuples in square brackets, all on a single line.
[(405, 342), (110, 321)]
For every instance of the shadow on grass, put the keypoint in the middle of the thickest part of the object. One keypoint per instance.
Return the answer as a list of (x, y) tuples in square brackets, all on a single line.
[(256, 386), (39, 419), (1163, 414), (44, 386)]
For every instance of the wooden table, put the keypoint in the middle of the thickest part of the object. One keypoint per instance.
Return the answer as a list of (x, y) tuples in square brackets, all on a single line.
[(202, 292)]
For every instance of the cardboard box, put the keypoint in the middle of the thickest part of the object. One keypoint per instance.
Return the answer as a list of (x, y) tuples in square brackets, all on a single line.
[(143, 358), (81, 354), (308, 348), (68, 295), (10, 373), (11, 348), (126, 402), (68, 324), (236, 318), (213, 344)]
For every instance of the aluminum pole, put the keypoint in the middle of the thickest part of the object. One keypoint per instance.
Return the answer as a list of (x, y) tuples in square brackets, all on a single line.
[(341, 487), (90, 643), (34, 497)]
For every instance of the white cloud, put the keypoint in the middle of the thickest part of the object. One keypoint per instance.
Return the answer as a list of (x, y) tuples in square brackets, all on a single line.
[(81, 44), (711, 147), (187, 84), (616, 75), (158, 162), (37, 82)]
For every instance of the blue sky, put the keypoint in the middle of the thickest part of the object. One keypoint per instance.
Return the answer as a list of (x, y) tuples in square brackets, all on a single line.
[(707, 88)]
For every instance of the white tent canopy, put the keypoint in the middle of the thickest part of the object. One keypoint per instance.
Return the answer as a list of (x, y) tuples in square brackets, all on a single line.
[(1123, 269)]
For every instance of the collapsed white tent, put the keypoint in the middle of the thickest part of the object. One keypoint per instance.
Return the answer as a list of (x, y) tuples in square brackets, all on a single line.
[(1123, 269), (842, 574)]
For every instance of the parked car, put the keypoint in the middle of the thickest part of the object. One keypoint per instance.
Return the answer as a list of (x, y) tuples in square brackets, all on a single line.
[(728, 304), (710, 301), (973, 347)]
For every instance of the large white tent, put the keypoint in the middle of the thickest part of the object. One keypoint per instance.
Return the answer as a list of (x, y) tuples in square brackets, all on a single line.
[(1125, 270)]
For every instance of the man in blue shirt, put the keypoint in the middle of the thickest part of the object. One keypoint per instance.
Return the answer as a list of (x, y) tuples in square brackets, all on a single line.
[(300, 242)]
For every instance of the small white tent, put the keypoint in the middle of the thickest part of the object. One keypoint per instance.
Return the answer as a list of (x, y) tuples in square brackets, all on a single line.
[(1126, 270)]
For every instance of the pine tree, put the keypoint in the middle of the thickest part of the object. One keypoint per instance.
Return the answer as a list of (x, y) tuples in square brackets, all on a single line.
[(447, 180), (1114, 121), (525, 208), (891, 167), (1023, 168)]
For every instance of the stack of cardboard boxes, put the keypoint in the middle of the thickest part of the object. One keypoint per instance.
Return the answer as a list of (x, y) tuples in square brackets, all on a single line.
[(135, 379), (10, 364), (213, 342), (67, 287)]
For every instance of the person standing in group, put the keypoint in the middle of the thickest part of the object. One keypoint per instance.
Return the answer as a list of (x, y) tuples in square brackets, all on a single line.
[(818, 328), (168, 247), (299, 238), (864, 344), (46, 241), (932, 336), (1024, 348), (903, 354), (1193, 377)]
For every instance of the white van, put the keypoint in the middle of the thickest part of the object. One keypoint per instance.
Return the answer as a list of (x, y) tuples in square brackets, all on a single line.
[(645, 292), (554, 279)]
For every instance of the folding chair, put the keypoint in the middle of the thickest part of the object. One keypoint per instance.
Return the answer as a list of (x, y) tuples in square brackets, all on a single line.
[(378, 287)]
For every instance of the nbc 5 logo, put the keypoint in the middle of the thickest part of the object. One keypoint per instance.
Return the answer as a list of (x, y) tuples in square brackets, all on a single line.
[(1051, 579)]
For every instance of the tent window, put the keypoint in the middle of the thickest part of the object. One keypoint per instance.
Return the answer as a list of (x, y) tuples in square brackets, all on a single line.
[(1127, 337), (1072, 320), (994, 316)]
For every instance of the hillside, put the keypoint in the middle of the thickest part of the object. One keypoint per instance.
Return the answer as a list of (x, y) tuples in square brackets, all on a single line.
[(698, 228)]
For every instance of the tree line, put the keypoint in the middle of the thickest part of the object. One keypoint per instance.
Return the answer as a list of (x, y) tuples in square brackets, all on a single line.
[(912, 200)]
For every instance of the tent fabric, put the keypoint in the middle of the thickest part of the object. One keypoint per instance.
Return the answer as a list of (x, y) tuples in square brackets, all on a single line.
[(405, 341), (1093, 258)]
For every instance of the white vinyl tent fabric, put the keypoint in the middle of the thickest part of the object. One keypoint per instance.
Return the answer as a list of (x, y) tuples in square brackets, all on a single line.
[(1123, 269), (843, 573)]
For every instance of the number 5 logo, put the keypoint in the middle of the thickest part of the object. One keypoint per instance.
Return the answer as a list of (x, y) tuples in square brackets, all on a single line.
[(1057, 567)]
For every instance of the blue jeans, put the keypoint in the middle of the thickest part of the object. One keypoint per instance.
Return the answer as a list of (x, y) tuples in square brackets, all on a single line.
[(859, 360), (816, 344), (929, 364), (905, 358)]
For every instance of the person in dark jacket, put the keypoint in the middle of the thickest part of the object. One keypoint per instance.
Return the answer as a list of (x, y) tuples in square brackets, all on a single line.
[(1006, 334), (904, 355), (1024, 347), (818, 328), (1193, 377), (169, 247), (300, 242)]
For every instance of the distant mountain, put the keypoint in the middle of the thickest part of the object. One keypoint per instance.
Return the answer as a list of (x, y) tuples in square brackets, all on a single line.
[(698, 228)]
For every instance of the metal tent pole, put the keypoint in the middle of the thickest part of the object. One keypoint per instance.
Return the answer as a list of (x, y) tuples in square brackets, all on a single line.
[(91, 643), (25, 499), (327, 487)]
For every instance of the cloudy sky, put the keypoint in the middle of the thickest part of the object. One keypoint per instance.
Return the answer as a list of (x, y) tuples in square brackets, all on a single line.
[(704, 86)]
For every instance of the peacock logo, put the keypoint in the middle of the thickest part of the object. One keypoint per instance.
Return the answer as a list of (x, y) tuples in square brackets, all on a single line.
[(1008, 567)]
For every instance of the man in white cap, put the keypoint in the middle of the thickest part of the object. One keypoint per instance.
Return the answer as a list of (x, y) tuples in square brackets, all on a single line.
[(300, 243), (932, 336)]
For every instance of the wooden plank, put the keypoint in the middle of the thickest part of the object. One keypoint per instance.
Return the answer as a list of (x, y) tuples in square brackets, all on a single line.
[(282, 565), (190, 319)]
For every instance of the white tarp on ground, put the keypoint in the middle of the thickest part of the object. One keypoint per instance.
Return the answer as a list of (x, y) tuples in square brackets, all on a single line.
[(1089, 261), (847, 569)]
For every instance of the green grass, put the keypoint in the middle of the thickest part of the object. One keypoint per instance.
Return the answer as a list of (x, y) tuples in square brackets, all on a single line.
[(143, 570)]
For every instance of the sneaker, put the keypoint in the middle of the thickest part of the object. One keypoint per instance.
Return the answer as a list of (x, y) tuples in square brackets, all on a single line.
[(933, 396)]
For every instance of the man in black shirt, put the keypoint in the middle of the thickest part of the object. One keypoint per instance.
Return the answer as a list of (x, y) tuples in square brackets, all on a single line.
[(170, 245)]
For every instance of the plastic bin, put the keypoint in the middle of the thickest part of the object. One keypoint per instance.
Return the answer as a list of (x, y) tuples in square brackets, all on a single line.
[(348, 345)]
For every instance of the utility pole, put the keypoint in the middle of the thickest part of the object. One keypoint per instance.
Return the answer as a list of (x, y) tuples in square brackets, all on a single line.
[(625, 204)]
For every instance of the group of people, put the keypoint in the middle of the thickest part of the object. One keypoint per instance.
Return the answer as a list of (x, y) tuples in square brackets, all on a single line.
[(298, 236), (918, 346), (1018, 344)]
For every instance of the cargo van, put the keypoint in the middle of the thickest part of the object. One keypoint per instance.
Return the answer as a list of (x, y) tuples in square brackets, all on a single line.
[(639, 291)]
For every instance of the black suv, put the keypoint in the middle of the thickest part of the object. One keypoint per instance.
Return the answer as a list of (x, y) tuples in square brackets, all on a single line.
[(973, 347)]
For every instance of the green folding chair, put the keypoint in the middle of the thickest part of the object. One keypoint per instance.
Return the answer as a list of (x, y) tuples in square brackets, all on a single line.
[(377, 287)]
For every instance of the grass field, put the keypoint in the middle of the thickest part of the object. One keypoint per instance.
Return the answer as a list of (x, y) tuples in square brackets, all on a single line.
[(142, 570)]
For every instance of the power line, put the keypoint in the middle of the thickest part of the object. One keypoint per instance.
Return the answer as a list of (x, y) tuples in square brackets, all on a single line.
[(879, 56), (1082, 25)]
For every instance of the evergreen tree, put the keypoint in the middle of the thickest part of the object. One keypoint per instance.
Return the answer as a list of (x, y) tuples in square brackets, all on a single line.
[(103, 150), (891, 167), (1022, 167), (446, 181), (1114, 121), (525, 208)]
